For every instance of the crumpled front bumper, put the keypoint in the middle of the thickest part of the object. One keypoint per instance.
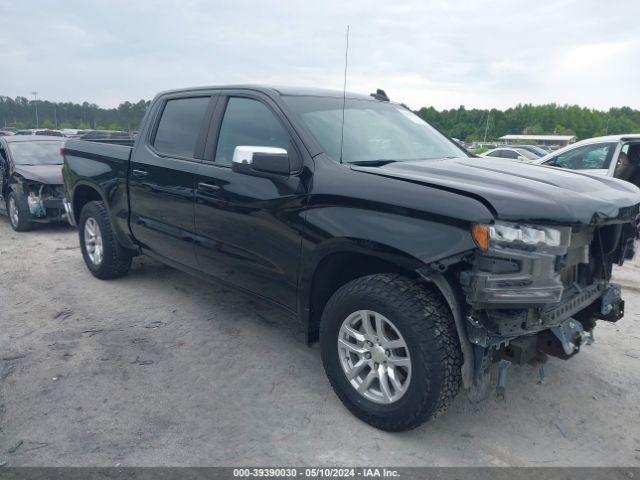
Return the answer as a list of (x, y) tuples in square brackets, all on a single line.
[(514, 292), (45, 209)]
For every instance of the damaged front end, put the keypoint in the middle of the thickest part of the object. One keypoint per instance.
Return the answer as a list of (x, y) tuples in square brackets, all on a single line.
[(531, 291), (44, 201)]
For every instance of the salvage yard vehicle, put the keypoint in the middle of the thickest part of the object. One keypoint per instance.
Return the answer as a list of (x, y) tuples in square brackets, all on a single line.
[(538, 151), (614, 155), (31, 180), (41, 131), (514, 153), (417, 267)]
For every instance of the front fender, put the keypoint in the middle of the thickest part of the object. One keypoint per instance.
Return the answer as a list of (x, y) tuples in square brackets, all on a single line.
[(407, 242), (415, 241)]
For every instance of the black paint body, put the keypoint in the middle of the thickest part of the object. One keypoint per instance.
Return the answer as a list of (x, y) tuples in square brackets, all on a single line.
[(270, 235)]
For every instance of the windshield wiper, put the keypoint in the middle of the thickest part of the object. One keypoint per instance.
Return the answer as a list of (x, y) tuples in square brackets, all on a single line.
[(373, 163)]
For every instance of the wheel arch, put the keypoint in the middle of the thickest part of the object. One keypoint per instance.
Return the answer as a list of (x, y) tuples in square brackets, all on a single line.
[(338, 264), (85, 192), (345, 262)]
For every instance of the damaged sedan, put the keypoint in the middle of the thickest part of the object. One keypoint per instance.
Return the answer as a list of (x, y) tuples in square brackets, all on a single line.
[(31, 180)]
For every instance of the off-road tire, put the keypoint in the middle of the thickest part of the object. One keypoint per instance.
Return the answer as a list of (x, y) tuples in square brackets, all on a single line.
[(23, 224), (116, 260), (425, 321)]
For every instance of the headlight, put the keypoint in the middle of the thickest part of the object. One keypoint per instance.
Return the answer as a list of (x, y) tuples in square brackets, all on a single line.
[(501, 233)]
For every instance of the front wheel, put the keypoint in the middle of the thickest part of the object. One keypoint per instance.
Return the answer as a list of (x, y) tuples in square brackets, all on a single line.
[(391, 351), (102, 253), (18, 211)]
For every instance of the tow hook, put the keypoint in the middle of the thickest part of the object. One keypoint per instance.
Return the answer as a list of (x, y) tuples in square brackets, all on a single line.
[(571, 335), (501, 388)]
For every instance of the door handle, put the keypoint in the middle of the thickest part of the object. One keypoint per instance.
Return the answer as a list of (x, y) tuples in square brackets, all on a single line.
[(207, 187), (139, 173)]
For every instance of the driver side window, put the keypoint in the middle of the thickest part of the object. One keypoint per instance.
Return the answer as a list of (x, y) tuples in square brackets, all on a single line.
[(595, 156), (248, 122)]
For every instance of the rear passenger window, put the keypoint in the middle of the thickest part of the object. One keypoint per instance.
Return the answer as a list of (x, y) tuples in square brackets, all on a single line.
[(179, 126)]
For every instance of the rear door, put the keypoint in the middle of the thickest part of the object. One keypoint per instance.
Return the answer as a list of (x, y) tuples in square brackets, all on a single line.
[(249, 228), (163, 173)]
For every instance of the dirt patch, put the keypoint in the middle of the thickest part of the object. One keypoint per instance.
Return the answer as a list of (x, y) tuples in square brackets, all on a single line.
[(159, 368)]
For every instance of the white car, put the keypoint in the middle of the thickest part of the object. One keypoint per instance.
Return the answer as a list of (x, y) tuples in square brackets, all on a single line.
[(614, 156), (513, 153)]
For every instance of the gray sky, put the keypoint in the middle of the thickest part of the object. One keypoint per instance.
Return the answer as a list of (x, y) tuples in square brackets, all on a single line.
[(441, 53)]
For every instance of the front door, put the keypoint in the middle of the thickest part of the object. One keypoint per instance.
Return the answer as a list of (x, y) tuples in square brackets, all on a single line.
[(593, 158), (163, 174), (249, 231)]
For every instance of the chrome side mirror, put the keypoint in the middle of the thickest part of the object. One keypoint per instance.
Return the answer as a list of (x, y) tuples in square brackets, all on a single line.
[(255, 160)]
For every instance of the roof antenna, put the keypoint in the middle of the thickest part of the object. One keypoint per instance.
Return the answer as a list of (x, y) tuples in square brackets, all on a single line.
[(344, 92)]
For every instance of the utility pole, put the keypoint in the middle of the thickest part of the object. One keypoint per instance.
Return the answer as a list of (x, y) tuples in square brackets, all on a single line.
[(35, 101), (55, 116), (486, 129)]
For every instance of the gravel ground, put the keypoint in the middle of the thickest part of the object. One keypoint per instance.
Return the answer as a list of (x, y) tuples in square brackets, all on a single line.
[(159, 368)]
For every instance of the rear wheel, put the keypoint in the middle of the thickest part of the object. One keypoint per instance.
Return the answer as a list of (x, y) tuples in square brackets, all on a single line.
[(102, 253), (18, 212), (391, 351)]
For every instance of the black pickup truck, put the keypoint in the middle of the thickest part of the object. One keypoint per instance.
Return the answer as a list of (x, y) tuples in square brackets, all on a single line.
[(417, 266)]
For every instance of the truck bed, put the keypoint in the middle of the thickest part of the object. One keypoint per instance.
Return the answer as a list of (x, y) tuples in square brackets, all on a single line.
[(98, 149)]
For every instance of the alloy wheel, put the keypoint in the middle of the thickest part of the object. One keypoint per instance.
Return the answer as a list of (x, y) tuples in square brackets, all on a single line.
[(14, 215), (93, 241), (374, 356)]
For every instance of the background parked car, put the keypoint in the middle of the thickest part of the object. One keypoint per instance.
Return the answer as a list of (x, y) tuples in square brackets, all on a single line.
[(596, 155), (40, 131), (512, 153), (105, 135), (536, 150), (31, 180), (73, 132), (6, 133)]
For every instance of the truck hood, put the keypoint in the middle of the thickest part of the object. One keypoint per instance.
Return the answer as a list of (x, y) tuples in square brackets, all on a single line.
[(517, 191), (47, 174)]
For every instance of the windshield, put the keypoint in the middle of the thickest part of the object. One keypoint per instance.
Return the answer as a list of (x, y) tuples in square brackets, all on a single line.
[(527, 154), (36, 153), (540, 151), (373, 131)]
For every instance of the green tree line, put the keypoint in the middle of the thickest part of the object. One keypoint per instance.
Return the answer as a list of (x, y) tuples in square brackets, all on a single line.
[(20, 112), (461, 123), (470, 125)]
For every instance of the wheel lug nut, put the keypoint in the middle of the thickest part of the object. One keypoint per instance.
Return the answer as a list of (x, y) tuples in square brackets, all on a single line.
[(387, 353), (375, 365), (369, 344), (367, 355)]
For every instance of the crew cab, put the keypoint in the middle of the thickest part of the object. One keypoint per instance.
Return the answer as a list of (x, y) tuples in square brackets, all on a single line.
[(416, 266)]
